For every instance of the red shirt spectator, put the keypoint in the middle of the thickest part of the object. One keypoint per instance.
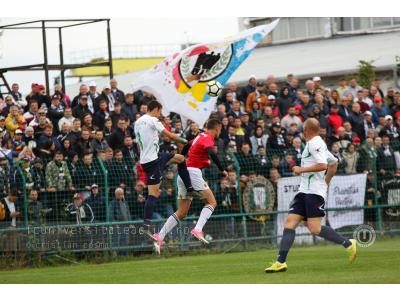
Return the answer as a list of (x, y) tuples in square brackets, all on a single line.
[(334, 119)]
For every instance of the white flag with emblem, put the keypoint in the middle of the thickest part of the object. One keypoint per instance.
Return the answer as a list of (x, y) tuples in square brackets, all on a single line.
[(180, 81)]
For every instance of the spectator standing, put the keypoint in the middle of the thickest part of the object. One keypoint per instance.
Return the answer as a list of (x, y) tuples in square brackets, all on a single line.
[(342, 87), (334, 120), (356, 120), (88, 173), (293, 86), (116, 139), (58, 177), (385, 161), (83, 92), (129, 108), (11, 213), (56, 111), (5, 106), (276, 140), (67, 118), (353, 88), (119, 212), (259, 139), (248, 89), (390, 129), (101, 115), (12, 120), (93, 93), (286, 165), (378, 110), (82, 108), (247, 161), (99, 143), (256, 96), (345, 107), (58, 182), (117, 93), (98, 204), (291, 118), (351, 157), (84, 144)]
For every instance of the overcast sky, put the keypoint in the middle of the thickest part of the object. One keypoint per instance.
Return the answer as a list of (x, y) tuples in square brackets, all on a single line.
[(23, 47)]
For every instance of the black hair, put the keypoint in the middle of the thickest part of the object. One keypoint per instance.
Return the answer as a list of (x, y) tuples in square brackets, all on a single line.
[(154, 104), (213, 123)]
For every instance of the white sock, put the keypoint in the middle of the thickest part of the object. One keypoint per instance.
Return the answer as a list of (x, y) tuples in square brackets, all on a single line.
[(205, 214), (172, 221)]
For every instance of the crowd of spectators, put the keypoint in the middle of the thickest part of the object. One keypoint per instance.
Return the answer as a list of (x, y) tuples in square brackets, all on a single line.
[(60, 145)]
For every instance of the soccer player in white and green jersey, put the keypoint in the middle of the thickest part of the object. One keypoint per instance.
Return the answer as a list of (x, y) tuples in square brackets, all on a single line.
[(308, 204)]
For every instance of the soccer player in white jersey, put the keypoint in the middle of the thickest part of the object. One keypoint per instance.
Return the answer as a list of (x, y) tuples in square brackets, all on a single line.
[(147, 130), (308, 204)]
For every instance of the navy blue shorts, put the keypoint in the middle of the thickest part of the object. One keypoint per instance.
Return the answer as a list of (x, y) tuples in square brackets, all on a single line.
[(154, 169), (308, 205)]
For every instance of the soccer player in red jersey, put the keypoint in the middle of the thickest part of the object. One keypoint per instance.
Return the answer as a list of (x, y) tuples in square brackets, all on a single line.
[(199, 153)]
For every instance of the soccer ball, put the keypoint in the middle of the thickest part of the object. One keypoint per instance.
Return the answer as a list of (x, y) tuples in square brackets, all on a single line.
[(214, 88)]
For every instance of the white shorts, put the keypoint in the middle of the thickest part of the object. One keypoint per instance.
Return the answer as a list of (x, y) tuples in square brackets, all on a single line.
[(198, 182)]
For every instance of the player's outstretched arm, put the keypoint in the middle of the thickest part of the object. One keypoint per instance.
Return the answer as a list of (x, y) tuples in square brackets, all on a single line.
[(174, 137)]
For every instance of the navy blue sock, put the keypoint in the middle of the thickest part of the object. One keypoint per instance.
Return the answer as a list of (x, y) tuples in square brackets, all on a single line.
[(286, 244), (149, 207), (330, 234), (184, 174)]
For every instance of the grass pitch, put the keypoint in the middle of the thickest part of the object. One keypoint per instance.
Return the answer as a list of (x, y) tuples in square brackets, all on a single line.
[(379, 263)]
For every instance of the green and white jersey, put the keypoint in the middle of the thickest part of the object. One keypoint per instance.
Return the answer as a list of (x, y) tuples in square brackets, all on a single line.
[(315, 152), (147, 130)]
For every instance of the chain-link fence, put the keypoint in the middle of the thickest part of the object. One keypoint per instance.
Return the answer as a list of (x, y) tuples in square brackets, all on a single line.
[(73, 207)]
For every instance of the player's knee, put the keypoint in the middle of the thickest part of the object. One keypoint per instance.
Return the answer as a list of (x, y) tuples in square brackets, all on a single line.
[(179, 158), (180, 214), (289, 224), (314, 228), (212, 202), (155, 193)]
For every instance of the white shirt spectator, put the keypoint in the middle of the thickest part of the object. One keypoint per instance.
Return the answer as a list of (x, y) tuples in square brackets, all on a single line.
[(63, 120), (11, 208)]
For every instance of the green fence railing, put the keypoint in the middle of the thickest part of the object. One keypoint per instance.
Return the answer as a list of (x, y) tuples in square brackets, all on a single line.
[(72, 210)]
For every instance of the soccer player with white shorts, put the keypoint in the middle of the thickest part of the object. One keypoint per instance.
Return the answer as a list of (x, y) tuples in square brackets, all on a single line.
[(199, 152), (308, 204), (147, 130)]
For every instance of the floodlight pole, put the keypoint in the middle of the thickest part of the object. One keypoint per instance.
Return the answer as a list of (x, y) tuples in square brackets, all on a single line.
[(46, 63), (62, 75), (109, 50)]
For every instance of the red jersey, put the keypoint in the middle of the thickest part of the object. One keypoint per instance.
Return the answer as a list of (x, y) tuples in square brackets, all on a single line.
[(198, 155)]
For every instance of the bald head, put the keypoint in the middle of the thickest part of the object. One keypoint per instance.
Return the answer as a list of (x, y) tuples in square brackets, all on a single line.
[(311, 125), (311, 128)]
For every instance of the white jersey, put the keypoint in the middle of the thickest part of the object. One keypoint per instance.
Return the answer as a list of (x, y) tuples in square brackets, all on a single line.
[(315, 152), (147, 130)]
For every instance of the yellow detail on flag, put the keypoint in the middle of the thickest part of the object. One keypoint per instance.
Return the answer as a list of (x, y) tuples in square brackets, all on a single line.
[(194, 105), (198, 90)]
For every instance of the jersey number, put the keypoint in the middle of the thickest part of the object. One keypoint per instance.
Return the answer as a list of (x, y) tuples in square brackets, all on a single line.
[(196, 139)]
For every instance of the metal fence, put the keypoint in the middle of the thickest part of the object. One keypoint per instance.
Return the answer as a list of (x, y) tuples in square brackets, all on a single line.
[(69, 206)]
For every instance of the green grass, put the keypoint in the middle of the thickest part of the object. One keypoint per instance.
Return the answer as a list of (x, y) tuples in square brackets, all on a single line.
[(379, 263)]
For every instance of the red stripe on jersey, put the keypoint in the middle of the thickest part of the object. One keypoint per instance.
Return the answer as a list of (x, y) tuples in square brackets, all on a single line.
[(198, 156)]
